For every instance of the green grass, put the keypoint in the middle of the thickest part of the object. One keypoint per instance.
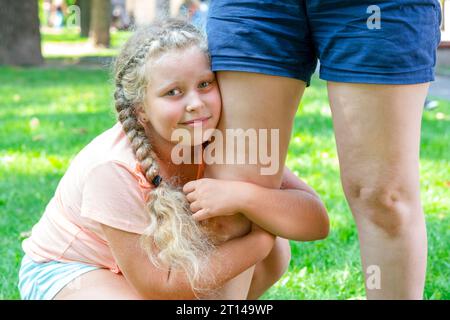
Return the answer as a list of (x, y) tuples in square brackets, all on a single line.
[(66, 35), (70, 37), (73, 105)]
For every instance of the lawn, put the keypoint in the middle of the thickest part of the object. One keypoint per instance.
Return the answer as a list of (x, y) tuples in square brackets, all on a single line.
[(66, 44), (48, 114)]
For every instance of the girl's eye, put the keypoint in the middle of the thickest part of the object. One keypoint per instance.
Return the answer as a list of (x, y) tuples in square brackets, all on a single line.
[(173, 92), (204, 84)]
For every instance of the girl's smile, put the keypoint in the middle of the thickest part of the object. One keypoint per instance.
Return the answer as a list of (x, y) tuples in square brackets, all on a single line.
[(197, 122)]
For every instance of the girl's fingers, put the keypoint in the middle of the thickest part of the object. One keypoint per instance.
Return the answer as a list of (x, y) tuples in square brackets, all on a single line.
[(194, 206), (190, 197), (189, 187), (202, 214)]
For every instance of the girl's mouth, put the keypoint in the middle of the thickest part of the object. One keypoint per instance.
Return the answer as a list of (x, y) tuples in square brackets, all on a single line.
[(196, 122)]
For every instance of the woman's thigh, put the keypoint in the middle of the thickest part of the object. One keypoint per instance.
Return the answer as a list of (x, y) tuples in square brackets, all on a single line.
[(251, 102), (99, 284)]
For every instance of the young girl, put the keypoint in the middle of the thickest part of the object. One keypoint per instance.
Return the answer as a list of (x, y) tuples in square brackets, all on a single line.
[(119, 225)]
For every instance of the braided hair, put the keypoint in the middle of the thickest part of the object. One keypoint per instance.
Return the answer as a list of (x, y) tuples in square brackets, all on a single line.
[(173, 239)]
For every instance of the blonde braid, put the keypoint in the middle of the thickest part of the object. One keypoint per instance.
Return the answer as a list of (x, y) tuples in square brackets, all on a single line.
[(136, 134), (173, 239)]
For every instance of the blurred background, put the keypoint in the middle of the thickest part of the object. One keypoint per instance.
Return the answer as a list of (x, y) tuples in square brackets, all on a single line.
[(35, 32), (56, 96)]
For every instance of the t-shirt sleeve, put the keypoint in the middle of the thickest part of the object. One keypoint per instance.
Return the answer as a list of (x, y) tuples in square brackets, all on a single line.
[(112, 196)]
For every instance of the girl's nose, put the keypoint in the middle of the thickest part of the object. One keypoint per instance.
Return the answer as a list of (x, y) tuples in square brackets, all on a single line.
[(194, 104), (192, 107)]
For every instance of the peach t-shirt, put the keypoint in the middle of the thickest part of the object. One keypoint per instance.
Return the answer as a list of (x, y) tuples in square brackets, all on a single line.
[(103, 185)]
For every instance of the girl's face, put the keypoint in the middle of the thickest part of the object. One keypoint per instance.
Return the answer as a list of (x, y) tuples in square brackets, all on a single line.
[(182, 93)]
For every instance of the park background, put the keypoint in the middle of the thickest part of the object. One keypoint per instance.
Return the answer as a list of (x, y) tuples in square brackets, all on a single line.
[(56, 96)]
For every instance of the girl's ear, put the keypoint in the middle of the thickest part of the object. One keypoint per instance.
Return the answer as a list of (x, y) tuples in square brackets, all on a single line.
[(140, 113)]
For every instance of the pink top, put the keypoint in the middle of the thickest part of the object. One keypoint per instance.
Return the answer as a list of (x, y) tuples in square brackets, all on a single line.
[(103, 185)]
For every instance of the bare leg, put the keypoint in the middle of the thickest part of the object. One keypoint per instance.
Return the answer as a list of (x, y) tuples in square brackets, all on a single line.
[(271, 269), (254, 101), (99, 284), (378, 138)]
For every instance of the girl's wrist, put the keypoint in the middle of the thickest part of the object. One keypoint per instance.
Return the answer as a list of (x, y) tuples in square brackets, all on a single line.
[(244, 196)]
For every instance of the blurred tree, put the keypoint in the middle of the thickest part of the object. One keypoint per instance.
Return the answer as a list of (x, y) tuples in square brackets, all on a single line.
[(85, 9), (100, 22), (20, 38)]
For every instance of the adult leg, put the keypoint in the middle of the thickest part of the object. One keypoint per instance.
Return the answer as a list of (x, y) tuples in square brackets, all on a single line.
[(100, 284), (377, 131), (254, 101)]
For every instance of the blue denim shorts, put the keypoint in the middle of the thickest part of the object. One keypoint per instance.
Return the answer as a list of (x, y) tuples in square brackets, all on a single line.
[(393, 42), (42, 281)]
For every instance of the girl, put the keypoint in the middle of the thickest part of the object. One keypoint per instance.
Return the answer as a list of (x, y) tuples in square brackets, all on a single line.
[(119, 225)]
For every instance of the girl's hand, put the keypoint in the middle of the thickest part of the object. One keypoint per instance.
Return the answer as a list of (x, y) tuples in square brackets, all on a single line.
[(210, 198)]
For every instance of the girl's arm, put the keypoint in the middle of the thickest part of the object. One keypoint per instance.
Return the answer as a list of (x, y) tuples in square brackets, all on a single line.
[(293, 212), (230, 259)]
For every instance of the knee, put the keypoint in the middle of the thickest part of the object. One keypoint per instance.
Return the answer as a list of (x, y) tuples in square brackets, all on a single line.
[(286, 259), (389, 206), (281, 264), (271, 269)]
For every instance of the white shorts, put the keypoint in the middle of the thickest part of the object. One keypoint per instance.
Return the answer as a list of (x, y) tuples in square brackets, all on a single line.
[(42, 281)]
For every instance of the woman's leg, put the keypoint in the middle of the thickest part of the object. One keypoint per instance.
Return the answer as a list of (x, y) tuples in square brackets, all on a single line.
[(378, 138), (257, 101), (271, 269), (254, 101), (100, 284)]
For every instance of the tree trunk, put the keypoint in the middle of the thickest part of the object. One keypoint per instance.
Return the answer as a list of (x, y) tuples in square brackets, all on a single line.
[(100, 22), (20, 38), (85, 17)]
